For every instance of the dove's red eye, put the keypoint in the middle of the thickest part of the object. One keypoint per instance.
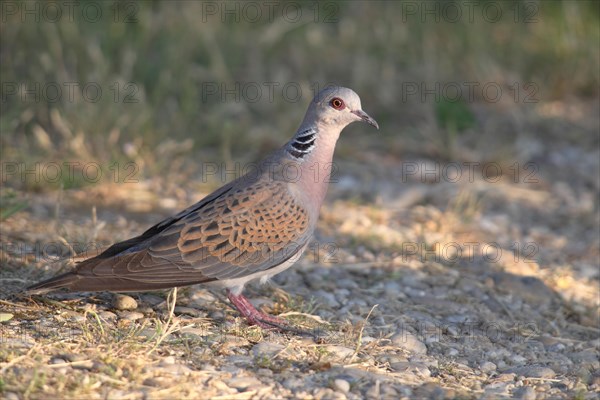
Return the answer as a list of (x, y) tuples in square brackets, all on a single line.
[(337, 103)]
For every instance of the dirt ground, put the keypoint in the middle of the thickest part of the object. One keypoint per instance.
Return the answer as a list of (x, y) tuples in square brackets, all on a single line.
[(418, 284)]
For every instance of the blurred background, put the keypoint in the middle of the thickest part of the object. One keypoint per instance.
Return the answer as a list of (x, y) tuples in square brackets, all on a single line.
[(150, 81)]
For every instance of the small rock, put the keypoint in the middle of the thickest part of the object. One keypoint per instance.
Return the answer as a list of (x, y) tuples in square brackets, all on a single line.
[(176, 369), (124, 302), (326, 298), (374, 392), (264, 372), (497, 390), (518, 359), (217, 315), (427, 361), (243, 382), (169, 360), (6, 317), (107, 315), (266, 349), (71, 357), (189, 311), (132, 315), (409, 342), (147, 333), (487, 367), (151, 299), (341, 385), (73, 316), (585, 358), (340, 352), (293, 383), (392, 288), (388, 392), (195, 333), (151, 382), (525, 393), (56, 361), (11, 396), (506, 377), (533, 371), (222, 386), (239, 360), (416, 368), (457, 319), (342, 295), (324, 393)]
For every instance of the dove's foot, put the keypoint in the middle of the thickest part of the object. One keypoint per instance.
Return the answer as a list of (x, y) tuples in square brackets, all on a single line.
[(256, 317)]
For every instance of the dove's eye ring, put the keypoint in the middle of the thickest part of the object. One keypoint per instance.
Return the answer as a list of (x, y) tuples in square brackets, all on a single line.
[(337, 103)]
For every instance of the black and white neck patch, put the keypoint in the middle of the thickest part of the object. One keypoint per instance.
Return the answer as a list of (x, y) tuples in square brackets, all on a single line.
[(303, 143)]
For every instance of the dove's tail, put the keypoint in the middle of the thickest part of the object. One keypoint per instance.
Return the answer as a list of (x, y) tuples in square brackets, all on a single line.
[(64, 281)]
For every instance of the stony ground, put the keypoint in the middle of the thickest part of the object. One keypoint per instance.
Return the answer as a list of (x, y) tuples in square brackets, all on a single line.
[(415, 287)]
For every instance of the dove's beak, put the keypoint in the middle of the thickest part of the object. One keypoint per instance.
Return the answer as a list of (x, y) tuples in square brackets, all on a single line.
[(365, 117)]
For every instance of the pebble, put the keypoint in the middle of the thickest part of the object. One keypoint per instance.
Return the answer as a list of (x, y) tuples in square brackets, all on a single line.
[(123, 302), (56, 361), (341, 385), (107, 315), (586, 358), (147, 333), (151, 299), (342, 294), (326, 298), (452, 352), (168, 360), (243, 382), (497, 390), (324, 393), (427, 361), (71, 357), (293, 383), (392, 288), (487, 367), (518, 359), (203, 296), (409, 342), (153, 382), (132, 315), (6, 317), (533, 371), (340, 352), (11, 396), (374, 392), (525, 393), (189, 311), (74, 317), (195, 333), (416, 368), (222, 386), (266, 349), (177, 370)]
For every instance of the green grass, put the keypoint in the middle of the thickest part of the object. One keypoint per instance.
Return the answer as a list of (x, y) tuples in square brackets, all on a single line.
[(10, 204)]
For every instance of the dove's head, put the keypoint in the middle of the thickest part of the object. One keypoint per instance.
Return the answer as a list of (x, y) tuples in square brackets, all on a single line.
[(339, 106)]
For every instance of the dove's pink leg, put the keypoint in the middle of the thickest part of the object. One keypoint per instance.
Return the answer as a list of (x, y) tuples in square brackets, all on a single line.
[(254, 316)]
